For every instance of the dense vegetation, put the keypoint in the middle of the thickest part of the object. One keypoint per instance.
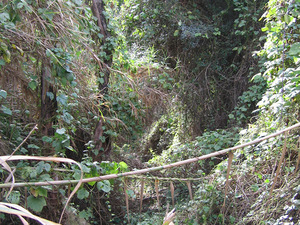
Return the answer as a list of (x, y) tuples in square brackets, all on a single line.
[(121, 85)]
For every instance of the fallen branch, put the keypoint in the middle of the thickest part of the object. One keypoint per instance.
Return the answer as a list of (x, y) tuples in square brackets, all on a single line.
[(142, 171)]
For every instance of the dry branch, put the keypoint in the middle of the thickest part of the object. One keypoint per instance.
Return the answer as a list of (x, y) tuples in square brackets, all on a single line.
[(126, 199), (279, 165), (142, 171), (157, 192), (227, 179), (172, 192), (141, 195)]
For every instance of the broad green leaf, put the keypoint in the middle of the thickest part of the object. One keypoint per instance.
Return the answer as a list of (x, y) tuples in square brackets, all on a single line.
[(242, 23), (33, 173), (70, 76), (176, 33), (33, 146), (104, 186), (67, 117), (130, 193), (20, 5), (32, 84), (287, 18), (6, 110), (82, 193), (85, 169), (50, 95), (295, 49), (36, 203), (4, 17), (123, 166), (40, 167), (254, 187), (73, 83), (61, 131), (93, 173), (56, 145), (267, 181), (101, 80), (3, 94), (14, 197), (64, 81), (62, 99), (47, 139), (47, 167), (53, 57), (26, 6), (46, 177), (77, 175), (42, 192)]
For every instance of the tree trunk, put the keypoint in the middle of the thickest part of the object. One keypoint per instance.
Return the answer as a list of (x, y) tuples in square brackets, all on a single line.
[(48, 102), (102, 141)]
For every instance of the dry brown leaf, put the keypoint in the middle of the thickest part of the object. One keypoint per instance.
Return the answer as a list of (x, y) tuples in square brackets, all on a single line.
[(19, 211), (11, 174), (172, 189), (157, 192), (169, 217), (188, 183)]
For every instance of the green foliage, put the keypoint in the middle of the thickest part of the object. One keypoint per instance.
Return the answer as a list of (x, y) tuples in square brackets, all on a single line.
[(280, 55), (4, 109), (60, 141), (147, 219), (82, 193), (104, 186), (209, 46), (125, 105), (60, 60), (211, 76), (36, 203), (14, 197), (209, 142), (201, 210), (247, 101)]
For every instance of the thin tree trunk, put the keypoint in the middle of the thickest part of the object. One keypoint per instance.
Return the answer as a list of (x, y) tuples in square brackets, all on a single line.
[(103, 145), (48, 104)]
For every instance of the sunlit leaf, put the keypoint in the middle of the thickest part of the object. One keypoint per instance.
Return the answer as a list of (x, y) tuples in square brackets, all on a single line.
[(295, 49), (6, 110), (3, 94), (61, 131), (123, 166)]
